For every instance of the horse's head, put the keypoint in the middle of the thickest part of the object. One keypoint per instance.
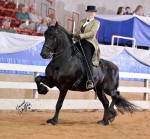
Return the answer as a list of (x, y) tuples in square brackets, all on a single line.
[(56, 39), (50, 42)]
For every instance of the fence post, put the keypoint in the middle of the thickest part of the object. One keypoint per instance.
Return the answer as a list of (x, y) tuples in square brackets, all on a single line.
[(146, 84), (35, 92), (112, 40)]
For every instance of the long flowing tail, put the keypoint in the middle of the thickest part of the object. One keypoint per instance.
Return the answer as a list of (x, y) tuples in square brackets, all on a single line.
[(123, 105)]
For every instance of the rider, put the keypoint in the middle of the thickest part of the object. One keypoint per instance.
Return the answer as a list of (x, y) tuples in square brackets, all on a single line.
[(87, 36)]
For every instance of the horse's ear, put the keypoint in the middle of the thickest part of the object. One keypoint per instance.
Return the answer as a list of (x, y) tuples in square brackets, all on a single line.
[(56, 25), (52, 25), (49, 26)]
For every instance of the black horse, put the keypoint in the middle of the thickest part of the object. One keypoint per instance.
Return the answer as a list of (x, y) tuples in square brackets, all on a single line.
[(66, 71)]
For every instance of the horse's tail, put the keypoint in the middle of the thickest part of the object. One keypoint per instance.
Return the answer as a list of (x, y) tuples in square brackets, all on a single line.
[(123, 105)]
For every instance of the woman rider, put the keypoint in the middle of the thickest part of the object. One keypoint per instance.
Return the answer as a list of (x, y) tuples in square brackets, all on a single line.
[(87, 36)]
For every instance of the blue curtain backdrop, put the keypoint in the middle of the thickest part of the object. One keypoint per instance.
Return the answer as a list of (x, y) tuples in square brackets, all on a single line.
[(124, 61), (129, 28), (28, 57)]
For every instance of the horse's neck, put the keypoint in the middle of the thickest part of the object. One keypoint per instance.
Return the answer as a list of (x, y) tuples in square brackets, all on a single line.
[(64, 54)]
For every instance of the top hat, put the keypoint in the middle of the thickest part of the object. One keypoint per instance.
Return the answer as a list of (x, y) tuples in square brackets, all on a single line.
[(91, 9)]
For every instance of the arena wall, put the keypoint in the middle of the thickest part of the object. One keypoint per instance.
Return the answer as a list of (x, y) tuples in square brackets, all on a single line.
[(27, 94)]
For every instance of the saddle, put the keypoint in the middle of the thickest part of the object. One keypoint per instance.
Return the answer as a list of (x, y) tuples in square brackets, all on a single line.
[(82, 80)]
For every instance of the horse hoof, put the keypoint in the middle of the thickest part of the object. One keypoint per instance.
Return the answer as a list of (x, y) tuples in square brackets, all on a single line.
[(42, 90), (102, 122), (112, 116), (112, 119), (52, 121)]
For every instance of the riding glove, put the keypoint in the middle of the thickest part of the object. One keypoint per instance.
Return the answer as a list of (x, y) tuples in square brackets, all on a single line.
[(77, 37)]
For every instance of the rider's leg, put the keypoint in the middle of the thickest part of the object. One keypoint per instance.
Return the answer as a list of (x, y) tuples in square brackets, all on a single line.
[(89, 51)]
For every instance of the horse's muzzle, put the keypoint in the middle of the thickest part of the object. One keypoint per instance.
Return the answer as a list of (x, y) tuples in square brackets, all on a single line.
[(43, 55), (46, 56)]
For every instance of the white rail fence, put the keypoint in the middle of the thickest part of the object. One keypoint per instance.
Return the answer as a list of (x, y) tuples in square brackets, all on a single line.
[(10, 104), (122, 37)]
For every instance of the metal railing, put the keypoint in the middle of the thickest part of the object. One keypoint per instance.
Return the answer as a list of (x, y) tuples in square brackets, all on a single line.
[(122, 37)]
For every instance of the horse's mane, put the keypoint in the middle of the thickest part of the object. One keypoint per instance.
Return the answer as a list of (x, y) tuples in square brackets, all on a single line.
[(65, 31)]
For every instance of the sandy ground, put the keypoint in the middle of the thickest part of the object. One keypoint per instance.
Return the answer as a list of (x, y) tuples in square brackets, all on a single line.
[(73, 125)]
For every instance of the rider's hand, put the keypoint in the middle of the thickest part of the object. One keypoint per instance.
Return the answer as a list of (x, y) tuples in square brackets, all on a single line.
[(77, 37), (72, 35)]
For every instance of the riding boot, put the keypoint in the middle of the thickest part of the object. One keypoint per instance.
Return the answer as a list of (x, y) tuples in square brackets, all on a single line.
[(89, 83), (87, 49)]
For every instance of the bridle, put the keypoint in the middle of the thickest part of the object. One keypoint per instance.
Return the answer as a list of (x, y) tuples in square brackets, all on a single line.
[(61, 52)]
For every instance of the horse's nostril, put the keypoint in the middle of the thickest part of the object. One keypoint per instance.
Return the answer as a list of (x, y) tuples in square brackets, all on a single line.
[(42, 55)]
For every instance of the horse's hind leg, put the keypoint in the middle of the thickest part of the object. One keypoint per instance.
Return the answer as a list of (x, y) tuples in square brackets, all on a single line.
[(41, 88), (113, 94), (121, 103), (112, 110), (59, 104), (105, 102)]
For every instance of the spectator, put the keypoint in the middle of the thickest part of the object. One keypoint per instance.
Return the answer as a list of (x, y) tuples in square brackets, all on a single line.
[(24, 17), (43, 26), (128, 11), (6, 26), (53, 22), (20, 7), (35, 18), (139, 10), (121, 11)]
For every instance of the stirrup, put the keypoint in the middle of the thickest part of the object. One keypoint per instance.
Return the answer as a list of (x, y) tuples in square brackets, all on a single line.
[(89, 84)]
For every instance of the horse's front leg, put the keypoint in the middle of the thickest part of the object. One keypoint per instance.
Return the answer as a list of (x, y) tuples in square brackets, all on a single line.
[(40, 80), (59, 104)]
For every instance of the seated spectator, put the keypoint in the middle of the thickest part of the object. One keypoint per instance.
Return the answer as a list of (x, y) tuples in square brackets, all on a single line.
[(139, 10), (128, 11), (6, 26), (121, 11), (24, 17), (43, 26), (53, 21), (35, 18), (23, 14), (20, 7)]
